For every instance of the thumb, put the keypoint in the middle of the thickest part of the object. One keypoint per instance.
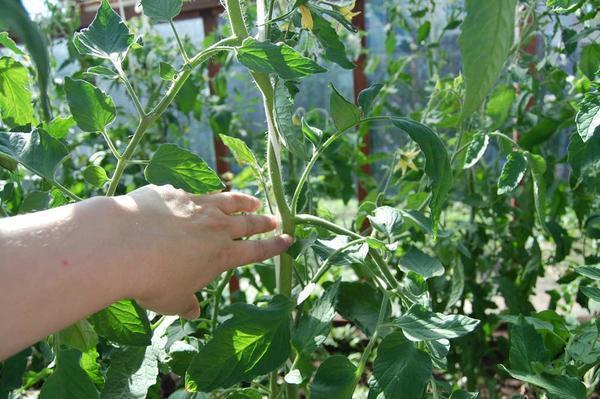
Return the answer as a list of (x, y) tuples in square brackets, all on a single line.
[(190, 308)]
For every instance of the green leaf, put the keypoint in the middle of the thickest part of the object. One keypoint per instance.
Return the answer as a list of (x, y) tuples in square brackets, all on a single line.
[(69, 380), (181, 354), (584, 345), (500, 103), (13, 369), (313, 326), (476, 149), (255, 341), (133, 370), (171, 164), (584, 159), (590, 271), (334, 379), (16, 108), (386, 220), (241, 152), (167, 71), (280, 59), (400, 369), (562, 6), (37, 151), (35, 201), (291, 134), (89, 364), (59, 126), (460, 394), (162, 10), (419, 262), (420, 324), (512, 172), (591, 292), (344, 113), (101, 70), (589, 61), (359, 302), (80, 336), (106, 37), (9, 43), (95, 175), (526, 346), (588, 117), (537, 165), (92, 109), (437, 163), (123, 322), (559, 386), (335, 51), (17, 18), (367, 96), (486, 38), (315, 135)]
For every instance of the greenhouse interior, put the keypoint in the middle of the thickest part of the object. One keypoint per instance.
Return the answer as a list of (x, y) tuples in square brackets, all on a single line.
[(320, 199)]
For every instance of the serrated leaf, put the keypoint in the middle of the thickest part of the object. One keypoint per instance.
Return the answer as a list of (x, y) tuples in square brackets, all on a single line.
[(584, 159), (171, 164), (80, 336), (367, 96), (559, 386), (167, 71), (589, 61), (280, 59), (16, 108), (313, 326), (133, 370), (588, 116), (9, 43), (437, 163), (291, 134), (162, 10), (591, 292), (360, 303), (334, 379), (420, 324), (181, 354), (476, 149), (106, 37), (91, 108), (537, 165), (343, 112), (95, 175), (386, 220), (37, 151), (335, 51), (400, 369), (419, 262), (590, 271), (101, 70), (241, 152), (512, 172), (59, 126), (485, 41), (123, 322), (69, 380), (255, 341)]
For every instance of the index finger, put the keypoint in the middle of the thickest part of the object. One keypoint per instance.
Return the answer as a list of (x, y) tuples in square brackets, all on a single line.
[(253, 251), (231, 202)]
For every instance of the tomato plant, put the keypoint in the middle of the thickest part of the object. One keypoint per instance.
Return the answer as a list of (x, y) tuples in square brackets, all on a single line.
[(417, 271)]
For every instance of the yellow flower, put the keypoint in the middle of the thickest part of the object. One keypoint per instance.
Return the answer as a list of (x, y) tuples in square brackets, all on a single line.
[(406, 161), (307, 20), (347, 11)]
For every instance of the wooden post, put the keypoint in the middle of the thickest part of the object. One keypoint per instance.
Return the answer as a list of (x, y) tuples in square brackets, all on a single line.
[(360, 83)]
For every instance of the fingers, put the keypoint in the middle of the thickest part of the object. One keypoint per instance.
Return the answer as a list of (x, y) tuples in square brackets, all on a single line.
[(185, 306), (252, 251), (191, 309), (231, 202), (249, 225)]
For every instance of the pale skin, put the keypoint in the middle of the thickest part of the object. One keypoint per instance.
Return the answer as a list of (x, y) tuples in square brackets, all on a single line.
[(157, 245)]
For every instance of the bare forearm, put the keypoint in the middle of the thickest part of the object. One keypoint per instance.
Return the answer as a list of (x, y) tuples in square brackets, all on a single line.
[(54, 271)]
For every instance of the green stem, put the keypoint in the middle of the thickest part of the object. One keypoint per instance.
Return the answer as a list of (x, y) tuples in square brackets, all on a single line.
[(217, 298), (66, 191), (148, 119), (111, 145), (365, 355), (129, 88), (319, 152), (327, 264), (379, 261), (179, 43), (505, 137)]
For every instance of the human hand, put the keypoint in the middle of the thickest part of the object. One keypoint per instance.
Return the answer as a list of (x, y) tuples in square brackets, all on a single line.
[(175, 243)]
